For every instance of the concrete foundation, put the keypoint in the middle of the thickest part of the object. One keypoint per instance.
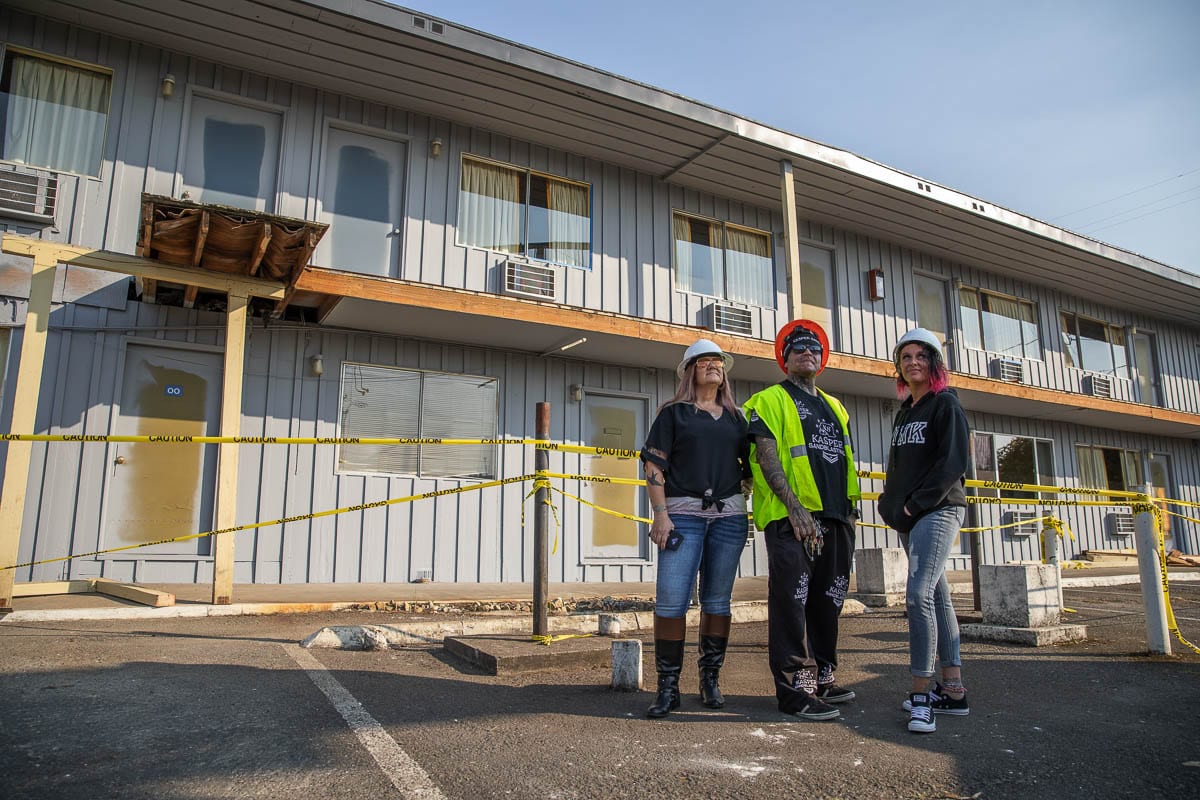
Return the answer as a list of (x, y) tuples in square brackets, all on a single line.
[(1021, 605), (880, 575), (1019, 595)]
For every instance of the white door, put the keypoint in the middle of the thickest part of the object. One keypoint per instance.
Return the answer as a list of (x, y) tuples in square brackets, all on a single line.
[(933, 310), (361, 198), (232, 154), (618, 423), (160, 491)]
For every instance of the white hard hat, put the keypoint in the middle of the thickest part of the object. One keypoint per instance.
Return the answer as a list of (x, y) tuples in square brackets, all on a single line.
[(703, 347), (922, 336)]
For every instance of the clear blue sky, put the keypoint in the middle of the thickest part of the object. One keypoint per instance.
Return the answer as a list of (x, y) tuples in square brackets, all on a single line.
[(1054, 109)]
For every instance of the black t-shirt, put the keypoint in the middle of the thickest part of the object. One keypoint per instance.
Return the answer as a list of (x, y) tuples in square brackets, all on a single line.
[(703, 455), (826, 449)]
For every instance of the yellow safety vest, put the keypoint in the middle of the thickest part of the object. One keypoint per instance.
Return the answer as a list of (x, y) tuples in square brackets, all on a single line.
[(777, 409)]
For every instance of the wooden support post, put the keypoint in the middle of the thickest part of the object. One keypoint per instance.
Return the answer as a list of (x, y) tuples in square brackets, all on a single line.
[(231, 425), (791, 237), (24, 417)]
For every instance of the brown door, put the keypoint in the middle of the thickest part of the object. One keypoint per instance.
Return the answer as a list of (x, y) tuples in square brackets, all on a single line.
[(160, 491)]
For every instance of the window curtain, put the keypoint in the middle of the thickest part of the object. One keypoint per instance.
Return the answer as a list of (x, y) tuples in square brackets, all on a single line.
[(570, 223), (683, 251), (489, 207), (1002, 325), (748, 267), (968, 305), (56, 115), (1069, 340)]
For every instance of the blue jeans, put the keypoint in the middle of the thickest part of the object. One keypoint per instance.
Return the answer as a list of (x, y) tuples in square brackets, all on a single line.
[(712, 548), (932, 624)]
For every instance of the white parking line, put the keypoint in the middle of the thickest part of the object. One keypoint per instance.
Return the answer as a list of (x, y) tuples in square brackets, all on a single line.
[(404, 773)]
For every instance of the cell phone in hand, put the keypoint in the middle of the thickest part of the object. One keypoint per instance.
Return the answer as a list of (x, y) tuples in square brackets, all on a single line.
[(674, 540)]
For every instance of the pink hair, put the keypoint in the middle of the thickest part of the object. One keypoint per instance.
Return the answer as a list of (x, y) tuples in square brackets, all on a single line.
[(939, 376), (686, 392)]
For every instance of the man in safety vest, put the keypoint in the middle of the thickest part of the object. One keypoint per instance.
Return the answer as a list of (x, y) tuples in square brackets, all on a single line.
[(805, 497)]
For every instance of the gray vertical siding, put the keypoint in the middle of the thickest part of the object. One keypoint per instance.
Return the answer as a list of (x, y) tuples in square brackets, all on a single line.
[(472, 536)]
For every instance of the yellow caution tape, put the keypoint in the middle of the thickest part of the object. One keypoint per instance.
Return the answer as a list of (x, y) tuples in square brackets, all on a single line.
[(558, 637), (284, 520)]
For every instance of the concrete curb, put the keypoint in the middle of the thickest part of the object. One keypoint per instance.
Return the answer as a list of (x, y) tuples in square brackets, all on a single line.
[(255, 609), (372, 637)]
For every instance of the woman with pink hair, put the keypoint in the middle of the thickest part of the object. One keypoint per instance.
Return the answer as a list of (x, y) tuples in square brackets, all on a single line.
[(923, 499)]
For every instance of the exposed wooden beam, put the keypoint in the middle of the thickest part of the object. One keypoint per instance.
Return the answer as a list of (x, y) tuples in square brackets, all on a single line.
[(201, 236), (310, 244), (129, 591), (189, 296), (227, 464), (260, 249), (141, 267), (48, 588)]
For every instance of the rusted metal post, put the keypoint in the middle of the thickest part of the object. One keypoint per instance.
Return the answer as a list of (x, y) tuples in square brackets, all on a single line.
[(541, 521)]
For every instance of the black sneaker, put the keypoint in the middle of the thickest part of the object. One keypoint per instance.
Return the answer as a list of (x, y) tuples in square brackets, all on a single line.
[(814, 709), (942, 703), (832, 693), (920, 715)]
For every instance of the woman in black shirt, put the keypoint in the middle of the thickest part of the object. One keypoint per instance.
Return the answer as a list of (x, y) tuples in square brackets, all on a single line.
[(696, 461)]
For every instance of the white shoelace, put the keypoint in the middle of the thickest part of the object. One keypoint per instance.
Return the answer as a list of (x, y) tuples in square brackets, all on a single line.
[(921, 713)]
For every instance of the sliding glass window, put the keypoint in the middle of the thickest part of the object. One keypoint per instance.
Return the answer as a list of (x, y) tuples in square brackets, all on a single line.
[(723, 260), (999, 324), (518, 211)]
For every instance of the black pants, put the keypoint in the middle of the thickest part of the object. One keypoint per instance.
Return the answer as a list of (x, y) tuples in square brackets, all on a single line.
[(804, 601)]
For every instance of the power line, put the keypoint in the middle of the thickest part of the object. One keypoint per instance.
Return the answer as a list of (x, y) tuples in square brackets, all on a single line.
[(1147, 214), (1135, 208), (1118, 197)]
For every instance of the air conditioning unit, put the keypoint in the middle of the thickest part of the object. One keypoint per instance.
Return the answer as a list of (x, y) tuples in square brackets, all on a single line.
[(724, 318), (28, 195), (1008, 369), (1119, 524), (1026, 528), (525, 279), (1097, 385)]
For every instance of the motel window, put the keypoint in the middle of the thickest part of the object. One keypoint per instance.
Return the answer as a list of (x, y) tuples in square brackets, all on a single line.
[(723, 260), (1095, 346), (392, 403), (54, 112), (1012, 459), (999, 324), (1109, 468), (518, 211)]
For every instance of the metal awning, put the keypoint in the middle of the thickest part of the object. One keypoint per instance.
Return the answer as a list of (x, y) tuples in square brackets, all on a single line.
[(389, 55)]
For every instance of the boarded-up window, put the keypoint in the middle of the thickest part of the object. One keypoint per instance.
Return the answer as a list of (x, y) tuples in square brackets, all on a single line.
[(391, 403)]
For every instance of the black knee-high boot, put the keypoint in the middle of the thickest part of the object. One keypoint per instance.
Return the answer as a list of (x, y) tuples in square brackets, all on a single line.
[(668, 661), (714, 638)]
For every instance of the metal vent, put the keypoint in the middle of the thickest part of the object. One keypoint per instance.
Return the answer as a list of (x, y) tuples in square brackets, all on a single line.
[(1025, 529), (729, 319), (1008, 369), (1119, 524), (530, 280), (29, 195), (1097, 385)]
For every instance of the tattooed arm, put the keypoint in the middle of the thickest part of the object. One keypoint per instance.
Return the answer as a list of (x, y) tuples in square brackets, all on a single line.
[(767, 455), (656, 489)]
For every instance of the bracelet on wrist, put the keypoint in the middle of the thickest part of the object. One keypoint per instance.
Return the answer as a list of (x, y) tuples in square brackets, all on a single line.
[(658, 509)]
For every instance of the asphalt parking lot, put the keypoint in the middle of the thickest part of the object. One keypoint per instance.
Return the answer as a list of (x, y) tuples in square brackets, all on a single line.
[(231, 707)]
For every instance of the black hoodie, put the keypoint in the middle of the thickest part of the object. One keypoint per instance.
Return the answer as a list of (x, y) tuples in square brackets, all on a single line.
[(928, 460)]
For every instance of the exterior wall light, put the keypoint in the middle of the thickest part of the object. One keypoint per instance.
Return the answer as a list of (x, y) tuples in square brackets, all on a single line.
[(168, 86), (875, 289), (435, 148), (318, 365)]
